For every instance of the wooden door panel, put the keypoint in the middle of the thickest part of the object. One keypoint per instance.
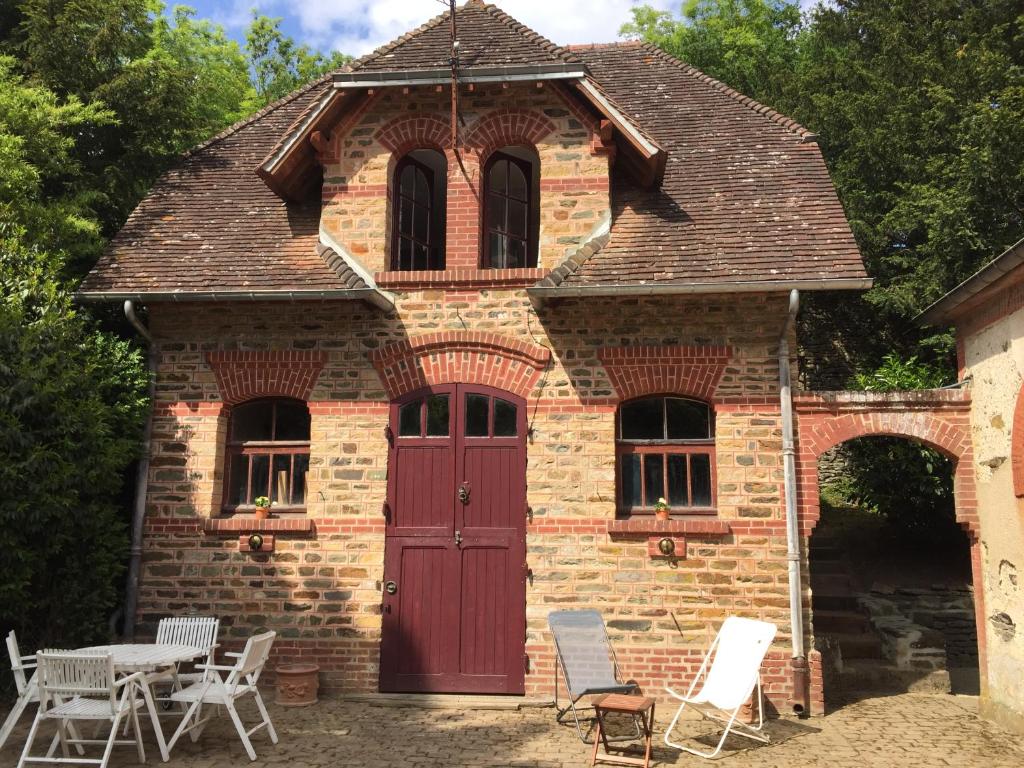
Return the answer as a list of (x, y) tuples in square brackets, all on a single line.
[(423, 489), (497, 499)]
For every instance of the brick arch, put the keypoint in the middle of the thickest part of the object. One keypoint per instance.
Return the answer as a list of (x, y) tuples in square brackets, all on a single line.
[(245, 375), (691, 370), (504, 127), (407, 132), (466, 357)]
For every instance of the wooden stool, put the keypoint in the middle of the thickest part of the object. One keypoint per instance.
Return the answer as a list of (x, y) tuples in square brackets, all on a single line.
[(642, 710)]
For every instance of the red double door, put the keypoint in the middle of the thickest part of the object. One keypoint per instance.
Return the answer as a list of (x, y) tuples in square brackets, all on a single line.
[(454, 599)]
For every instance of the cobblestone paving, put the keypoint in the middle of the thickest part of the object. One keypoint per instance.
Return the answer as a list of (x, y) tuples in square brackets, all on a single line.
[(910, 730)]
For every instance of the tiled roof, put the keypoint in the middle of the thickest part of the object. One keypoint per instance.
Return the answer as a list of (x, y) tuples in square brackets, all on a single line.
[(745, 197), (211, 224), (488, 37)]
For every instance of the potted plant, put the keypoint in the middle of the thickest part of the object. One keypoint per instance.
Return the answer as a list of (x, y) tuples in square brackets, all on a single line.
[(661, 510), (262, 507)]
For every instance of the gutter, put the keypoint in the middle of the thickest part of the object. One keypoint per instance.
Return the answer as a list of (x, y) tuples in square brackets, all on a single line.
[(131, 596), (801, 672), (673, 289), (372, 295)]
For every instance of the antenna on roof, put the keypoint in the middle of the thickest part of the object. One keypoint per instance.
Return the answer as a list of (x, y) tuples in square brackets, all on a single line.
[(455, 78)]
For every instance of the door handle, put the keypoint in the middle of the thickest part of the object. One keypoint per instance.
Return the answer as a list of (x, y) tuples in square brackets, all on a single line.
[(391, 587), (464, 493), (458, 538)]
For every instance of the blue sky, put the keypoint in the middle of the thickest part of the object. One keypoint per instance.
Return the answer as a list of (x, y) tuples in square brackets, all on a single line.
[(358, 26)]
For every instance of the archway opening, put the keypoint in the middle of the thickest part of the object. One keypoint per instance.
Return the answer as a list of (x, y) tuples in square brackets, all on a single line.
[(891, 574)]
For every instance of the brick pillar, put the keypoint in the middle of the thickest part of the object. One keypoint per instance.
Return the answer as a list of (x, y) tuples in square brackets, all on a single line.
[(462, 238)]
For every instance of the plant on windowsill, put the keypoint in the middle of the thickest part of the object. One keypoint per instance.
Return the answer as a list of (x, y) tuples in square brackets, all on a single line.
[(262, 507), (661, 509)]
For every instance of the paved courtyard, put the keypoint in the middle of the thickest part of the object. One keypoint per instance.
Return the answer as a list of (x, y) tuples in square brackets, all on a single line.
[(918, 730)]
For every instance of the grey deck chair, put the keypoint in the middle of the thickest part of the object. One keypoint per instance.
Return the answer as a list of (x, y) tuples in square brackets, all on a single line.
[(587, 662)]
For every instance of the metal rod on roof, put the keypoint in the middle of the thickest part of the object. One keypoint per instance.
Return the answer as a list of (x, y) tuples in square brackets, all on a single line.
[(455, 79)]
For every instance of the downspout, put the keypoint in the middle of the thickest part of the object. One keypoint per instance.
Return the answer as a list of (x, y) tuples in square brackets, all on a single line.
[(131, 596), (801, 671)]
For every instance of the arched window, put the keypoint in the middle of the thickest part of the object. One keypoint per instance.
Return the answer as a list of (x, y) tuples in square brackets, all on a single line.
[(418, 211), (666, 449), (268, 455), (511, 221)]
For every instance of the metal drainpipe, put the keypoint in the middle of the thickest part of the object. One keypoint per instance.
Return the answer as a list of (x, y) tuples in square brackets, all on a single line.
[(801, 671), (131, 596)]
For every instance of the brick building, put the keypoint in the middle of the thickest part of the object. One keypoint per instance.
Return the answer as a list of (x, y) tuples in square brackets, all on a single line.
[(466, 366)]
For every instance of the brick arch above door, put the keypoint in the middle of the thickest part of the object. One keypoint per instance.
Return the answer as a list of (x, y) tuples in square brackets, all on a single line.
[(467, 357)]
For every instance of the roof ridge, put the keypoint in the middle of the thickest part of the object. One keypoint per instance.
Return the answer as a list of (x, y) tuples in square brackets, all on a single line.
[(609, 44), (762, 109), (271, 107), (517, 26)]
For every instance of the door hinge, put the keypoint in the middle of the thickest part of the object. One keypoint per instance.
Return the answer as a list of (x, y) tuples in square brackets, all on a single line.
[(526, 663), (389, 435), (386, 510)]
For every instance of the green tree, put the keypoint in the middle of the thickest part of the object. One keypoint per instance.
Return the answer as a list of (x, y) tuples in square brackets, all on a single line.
[(749, 44), (72, 401), (278, 65)]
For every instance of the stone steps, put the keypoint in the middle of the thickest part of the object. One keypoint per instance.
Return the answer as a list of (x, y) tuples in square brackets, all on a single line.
[(870, 676), (851, 622), (857, 646)]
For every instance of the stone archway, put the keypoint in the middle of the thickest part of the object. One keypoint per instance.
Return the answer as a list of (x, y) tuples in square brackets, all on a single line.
[(937, 418)]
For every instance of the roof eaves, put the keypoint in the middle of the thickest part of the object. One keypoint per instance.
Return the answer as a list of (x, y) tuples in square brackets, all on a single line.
[(558, 275), (1001, 265), (541, 291)]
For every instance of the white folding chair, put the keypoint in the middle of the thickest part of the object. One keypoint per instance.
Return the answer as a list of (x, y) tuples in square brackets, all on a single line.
[(240, 681), (730, 673), (80, 685), (194, 631)]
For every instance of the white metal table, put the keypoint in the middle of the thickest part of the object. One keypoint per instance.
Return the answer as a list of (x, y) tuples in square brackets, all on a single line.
[(149, 657)]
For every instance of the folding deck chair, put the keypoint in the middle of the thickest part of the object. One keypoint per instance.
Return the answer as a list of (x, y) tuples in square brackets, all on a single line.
[(587, 662), (730, 673)]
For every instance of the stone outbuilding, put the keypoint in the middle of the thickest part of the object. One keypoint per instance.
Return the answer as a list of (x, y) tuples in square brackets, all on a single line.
[(987, 311)]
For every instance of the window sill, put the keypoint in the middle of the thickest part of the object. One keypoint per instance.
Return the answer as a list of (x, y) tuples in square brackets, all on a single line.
[(458, 278), (248, 524), (649, 526)]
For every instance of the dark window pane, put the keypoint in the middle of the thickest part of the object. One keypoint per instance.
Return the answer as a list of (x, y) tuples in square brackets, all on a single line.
[(504, 418), (476, 415), (437, 415), (279, 479), (260, 476), (654, 478), (239, 480), (631, 480), (496, 251), (419, 256), (252, 421), (700, 467), (516, 257), (516, 182), (420, 217), (422, 188), (498, 176), (643, 419), (687, 420), (404, 254), (495, 212), (517, 218), (299, 479), (408, 181), (409, 419), (677, 493), (405, 216), (292, 421)]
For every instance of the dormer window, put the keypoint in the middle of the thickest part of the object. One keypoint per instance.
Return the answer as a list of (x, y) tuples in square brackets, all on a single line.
[(511, 217), (418, 211)]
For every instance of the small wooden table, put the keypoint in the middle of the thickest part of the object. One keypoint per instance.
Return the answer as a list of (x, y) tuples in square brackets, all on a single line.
[(642, 710)]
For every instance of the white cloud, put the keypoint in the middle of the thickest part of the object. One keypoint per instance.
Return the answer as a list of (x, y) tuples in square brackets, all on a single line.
[(358, 26)]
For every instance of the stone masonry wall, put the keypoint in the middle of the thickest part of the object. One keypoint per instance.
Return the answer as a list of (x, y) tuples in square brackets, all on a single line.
[(320, 588)]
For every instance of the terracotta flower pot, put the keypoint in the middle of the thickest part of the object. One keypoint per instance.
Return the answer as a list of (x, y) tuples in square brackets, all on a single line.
[(662, 514), (262, 513)]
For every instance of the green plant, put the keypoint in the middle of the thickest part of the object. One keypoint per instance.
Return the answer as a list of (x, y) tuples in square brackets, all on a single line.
[(262, 502)]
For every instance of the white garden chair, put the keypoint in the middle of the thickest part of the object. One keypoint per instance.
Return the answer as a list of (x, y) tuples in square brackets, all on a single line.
[(240, 680), (194, 631), (80, 685), (730, 673), (24, 670)]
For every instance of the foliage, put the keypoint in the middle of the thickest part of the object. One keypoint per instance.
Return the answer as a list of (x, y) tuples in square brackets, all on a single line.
[(279, 66), (749, 44), (897, 374), (920, 110), (72, 401)]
